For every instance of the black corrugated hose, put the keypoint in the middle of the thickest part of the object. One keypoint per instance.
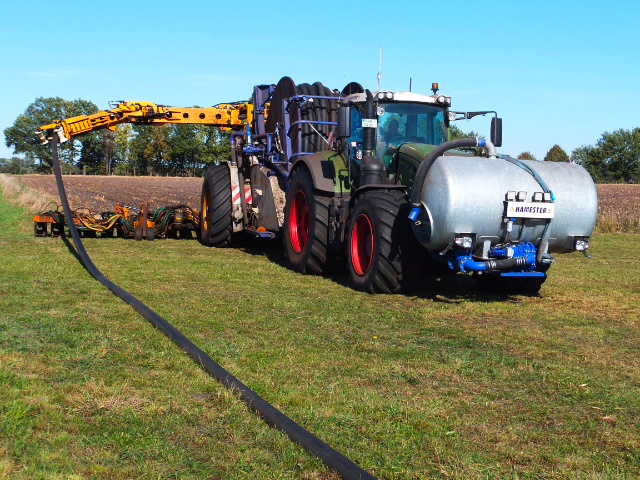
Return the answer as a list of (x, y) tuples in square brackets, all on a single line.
[(429, 158), (330, 457)]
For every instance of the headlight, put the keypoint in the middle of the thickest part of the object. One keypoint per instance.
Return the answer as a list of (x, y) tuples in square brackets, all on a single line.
[(440, 99), (547, 196), (389, 95), (511, 196), (447, 101), (522, 196), (464, 242), (381, 95), (581, 245), (537, 197)]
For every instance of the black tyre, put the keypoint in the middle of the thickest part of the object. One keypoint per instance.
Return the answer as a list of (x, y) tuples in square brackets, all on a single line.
[(137, 233), (216, 223), (383, 254), (306, 226), (151, 234)]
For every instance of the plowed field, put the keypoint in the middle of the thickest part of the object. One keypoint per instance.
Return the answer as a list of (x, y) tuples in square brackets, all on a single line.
[(619, 200), (101, 193), (618, 209)]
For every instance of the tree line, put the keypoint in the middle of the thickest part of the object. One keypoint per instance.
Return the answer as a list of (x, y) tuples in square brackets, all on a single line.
[(615, 158), (189, 149), (178, 150)]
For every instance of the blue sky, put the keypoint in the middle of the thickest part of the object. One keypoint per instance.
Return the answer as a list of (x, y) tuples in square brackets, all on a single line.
[(556, 72)]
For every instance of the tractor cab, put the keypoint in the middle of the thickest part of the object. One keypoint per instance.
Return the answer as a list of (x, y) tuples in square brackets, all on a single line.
[(403, 118)]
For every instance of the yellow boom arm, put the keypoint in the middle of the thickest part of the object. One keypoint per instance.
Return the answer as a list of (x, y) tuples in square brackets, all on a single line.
[(224, 116)]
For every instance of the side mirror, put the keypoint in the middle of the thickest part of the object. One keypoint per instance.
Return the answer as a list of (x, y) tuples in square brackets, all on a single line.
[(343, 129), (496, 131)]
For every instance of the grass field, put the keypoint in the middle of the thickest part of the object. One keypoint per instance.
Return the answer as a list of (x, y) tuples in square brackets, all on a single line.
[(443, 382)]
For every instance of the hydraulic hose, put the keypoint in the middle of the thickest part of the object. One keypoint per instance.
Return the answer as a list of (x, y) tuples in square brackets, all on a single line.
[(330, 457), (495, 264)]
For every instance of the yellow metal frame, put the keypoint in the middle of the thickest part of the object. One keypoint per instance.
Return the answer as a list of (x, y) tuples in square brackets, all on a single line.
[(234, 116)]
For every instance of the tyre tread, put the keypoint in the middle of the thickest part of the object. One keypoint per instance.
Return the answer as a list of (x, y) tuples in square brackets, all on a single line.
[(400, 252), (220, 207)]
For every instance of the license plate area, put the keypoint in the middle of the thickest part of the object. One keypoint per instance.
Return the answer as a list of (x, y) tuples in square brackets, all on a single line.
[(530, 210)]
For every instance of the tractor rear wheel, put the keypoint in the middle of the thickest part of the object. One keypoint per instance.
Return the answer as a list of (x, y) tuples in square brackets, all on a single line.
[(383, 254), (306, 226), (216, 223)]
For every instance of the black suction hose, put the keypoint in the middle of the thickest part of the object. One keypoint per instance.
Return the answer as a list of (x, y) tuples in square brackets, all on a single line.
[(429, 158), (332, 458)]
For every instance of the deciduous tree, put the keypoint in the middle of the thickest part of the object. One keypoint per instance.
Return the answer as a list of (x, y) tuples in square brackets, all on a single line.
[(123, 136), (21, 135), (527, 156), (556, 154), (614, 158)]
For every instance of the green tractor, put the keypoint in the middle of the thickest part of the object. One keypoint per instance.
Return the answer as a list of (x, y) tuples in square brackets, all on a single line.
[(373, 180)]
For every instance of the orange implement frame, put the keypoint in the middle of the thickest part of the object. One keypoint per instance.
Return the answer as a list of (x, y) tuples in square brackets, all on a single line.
[(42, 221), (232, 116)]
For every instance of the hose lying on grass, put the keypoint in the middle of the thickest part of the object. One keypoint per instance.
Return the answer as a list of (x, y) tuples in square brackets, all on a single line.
[(330, 457)]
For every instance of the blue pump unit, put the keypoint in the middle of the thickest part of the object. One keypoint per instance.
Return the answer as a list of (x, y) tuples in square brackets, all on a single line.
[(513, 259)]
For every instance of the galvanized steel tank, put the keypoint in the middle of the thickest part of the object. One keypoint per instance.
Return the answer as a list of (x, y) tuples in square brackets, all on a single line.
[(467, 195)]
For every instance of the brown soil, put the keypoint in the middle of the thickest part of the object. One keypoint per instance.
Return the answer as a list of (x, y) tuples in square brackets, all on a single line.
[(101, 193), (619, 200)]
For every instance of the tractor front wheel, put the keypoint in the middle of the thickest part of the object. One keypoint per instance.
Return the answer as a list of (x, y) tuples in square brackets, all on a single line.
[(383, 254)]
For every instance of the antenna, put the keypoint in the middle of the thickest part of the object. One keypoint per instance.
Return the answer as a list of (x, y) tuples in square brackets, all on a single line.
[(379, 66), (410, 83)]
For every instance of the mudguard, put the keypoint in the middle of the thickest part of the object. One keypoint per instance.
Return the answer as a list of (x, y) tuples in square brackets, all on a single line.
[(328, 172)]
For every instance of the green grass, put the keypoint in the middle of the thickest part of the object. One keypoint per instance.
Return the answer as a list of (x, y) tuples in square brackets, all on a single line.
[(444, 382)]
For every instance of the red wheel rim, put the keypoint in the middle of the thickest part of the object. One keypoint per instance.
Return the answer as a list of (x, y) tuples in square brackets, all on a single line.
[(299, 222), (361, 245)]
